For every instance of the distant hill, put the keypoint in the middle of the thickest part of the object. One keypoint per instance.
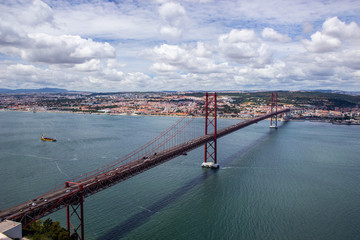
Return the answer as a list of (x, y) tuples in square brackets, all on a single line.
[(353, 93), (40, 90), (298, 98)]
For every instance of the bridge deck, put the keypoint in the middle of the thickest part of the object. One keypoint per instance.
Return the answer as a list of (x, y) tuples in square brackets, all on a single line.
[(53, 201)]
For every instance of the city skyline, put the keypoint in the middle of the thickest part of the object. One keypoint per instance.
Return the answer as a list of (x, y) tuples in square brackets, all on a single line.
[(180, 45)]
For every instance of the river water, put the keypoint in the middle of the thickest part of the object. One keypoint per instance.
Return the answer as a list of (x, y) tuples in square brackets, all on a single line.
[(300, 181)]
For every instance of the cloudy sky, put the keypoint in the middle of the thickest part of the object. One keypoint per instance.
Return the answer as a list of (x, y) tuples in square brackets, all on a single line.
[(145, 45)]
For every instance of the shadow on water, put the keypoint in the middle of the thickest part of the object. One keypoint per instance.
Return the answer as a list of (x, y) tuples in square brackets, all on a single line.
[(140, 218), (225, 162)]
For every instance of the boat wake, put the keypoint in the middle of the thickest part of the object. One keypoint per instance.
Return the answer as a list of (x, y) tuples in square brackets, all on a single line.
[(29, 155), (145, 209), (57, 165)]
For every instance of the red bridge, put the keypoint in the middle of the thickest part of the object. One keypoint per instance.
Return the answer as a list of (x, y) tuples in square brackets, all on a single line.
[(71, 196)]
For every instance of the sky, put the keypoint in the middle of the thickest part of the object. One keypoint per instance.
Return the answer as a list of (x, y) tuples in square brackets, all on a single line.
[(156, 45)]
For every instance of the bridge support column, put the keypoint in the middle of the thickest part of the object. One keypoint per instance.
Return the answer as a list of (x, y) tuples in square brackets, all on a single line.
[(77, 210), (274, 105), (210, 122), (287, 116)]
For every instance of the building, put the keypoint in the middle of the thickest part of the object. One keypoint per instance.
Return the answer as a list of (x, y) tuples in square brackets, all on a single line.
[(10, 229)]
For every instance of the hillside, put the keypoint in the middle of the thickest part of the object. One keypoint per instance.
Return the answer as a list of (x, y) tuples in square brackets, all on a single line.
[(319, 99)]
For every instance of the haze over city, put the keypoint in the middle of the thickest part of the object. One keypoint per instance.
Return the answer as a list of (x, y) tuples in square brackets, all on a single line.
[(180, 45)]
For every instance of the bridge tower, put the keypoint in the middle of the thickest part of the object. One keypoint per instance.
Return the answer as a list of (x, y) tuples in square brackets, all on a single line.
[(274, 105), (210, 124), (77, 211)]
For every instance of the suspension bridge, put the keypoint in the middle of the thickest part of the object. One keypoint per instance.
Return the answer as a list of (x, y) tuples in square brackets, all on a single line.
[(163, 148)]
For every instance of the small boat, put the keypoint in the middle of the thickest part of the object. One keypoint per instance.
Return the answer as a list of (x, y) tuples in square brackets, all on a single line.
[(43, 138)]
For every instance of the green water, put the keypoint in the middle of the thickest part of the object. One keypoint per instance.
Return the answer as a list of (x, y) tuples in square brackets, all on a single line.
[(300, 181)]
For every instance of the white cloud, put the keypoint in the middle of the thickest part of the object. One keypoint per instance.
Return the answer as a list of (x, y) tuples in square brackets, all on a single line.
[(244, 47), (107, 21), (104, 79), (88, 66), (171, 32), (265, 56), (163, 68), (23, 70), (271, 34), (172, 13), (28, 13), (186, 58), (174, 16), (40, 47), (239, 44), (37, 13), (19, 37), (113, 63), (338, 29), (65, 49), (322, 43), (333, 33), (11, 36), (15, 75), (179, 45), (172, 54)]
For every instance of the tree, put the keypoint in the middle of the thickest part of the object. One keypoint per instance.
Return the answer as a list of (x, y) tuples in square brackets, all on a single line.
[(47, 230)]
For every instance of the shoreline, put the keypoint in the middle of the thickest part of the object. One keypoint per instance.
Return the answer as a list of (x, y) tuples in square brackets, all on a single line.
[(348, 123)]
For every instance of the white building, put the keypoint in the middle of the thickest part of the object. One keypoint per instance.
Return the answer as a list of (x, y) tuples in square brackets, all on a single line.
[(10, 230)]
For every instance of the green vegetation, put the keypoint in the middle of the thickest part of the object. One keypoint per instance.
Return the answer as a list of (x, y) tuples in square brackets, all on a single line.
[(47, 230), (298, 98), (328, 100)]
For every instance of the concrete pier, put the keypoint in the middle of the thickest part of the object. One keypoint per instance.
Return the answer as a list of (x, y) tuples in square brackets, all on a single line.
[(210, 165)]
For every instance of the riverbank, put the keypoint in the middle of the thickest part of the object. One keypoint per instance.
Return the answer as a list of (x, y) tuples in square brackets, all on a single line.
[(323, 120)]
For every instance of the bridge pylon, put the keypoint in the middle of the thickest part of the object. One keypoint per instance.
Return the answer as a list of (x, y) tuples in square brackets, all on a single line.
[(210, 124), (77, 209), (274, 105)]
